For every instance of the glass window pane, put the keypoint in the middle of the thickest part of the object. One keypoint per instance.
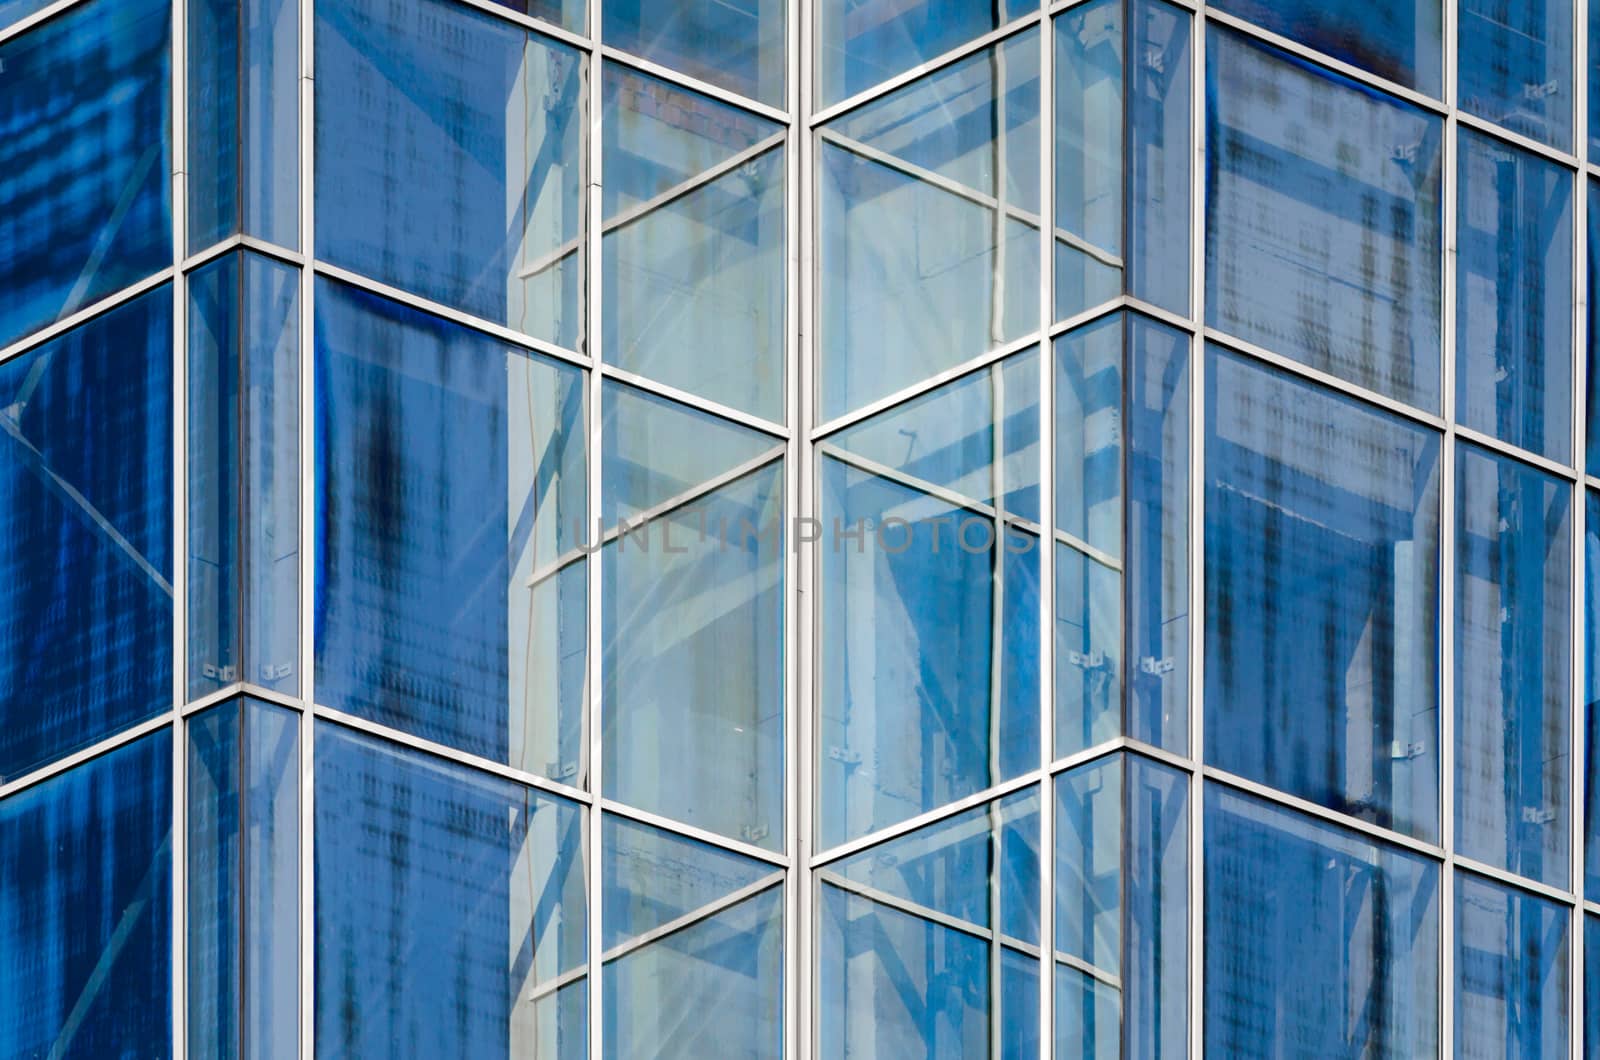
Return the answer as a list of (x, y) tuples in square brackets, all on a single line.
[(1591, 694), (1592, 398), (694, 948), (449, 160), (955, 153), (1322, 596), (1511, 973), (1122, 373), (1515, 66), (738, 46), (1318, 941), (16, 10), (694, 243), (86, 908), (86, 533), (1101, 47), (244, 474), (1591, 986), (85, 158), (929, 662), (568, 14), (481, 922), (861, 43), (1513, 665), (693, 686), (907, 939), (1514, 296), (1324, 248), (450, 503), (244, 881), (1122, 910), (244, 125), (1400, 41)]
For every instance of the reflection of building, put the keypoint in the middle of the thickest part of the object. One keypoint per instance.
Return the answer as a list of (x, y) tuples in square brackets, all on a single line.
[(892, 528)]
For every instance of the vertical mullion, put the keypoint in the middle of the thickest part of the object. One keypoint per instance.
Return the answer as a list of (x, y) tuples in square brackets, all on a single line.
[(1047, 540), (1197, 499), (594, 563), (795, 595), (804, 144), (1448, 191), (180, 523), (307, 458), (1577, 701)]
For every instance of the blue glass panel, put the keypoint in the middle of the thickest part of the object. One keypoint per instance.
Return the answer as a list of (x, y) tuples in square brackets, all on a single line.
[(929, 632), (1515, 65), (85, 201), (739, 46), (1322, 596), (17, 10), (244, 124), (450, 493), (1594, 81), (244, 881), (693, 685), (905, 935), (1592, 398), (659, 450), (1122, 916), (1318, 941), (1591, 691), (720, 950), (1401, 41), (1511, 973), (568, 14), (1513, 665), (861, 43), (1324, 248), (86, 909), (694, 259), (86, 533), (482, 912), (448, 160), (1514, 296), (948, 439), (244, 474), (956, 153), (1101, 48), (1591, 986)]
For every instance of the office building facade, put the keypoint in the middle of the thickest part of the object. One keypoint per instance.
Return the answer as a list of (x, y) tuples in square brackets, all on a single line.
[(877, 528)]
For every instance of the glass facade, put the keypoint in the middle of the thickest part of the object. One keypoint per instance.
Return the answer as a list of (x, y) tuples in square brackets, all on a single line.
[(593, 529)]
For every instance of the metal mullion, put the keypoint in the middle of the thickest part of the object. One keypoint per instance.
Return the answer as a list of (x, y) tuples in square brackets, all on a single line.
[(694, 916), (776, 859), (1307, 808), (923, 386), (1449, 193), (1514, 452), (180, 528), (1514, 880), (306, 724), (793, 596), (951, 497), (82, 755), (455, 316), (1047, 541), (683, 397), (938, 62), (82, 316), (1355, 73), (241, 688), (1327, 380), (1196, 543), (693, 84), (802, 376), (1509, 138), (535, 25), (593, 773), (1578, 698), (926, 818)]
